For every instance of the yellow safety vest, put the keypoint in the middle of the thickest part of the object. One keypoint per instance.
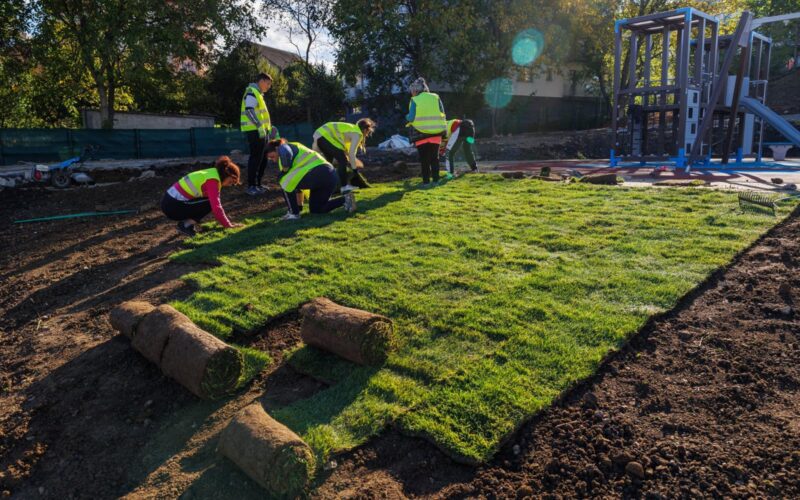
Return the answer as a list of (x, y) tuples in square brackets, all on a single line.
[(335, 132), (428, 117), (262, 113), (302, 163), (449, 131), (193, 183)]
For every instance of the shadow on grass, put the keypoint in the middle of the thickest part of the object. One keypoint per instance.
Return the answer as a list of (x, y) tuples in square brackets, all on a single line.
[(269, 229)]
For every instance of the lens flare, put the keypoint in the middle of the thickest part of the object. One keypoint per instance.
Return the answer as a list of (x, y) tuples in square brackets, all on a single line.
[(498, 92), (528, 46)]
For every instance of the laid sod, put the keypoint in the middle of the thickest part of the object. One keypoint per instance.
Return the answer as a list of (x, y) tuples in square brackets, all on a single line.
[(503, 293)]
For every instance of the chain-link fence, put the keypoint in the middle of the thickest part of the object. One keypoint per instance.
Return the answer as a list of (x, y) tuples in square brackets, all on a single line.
[(522, 114)]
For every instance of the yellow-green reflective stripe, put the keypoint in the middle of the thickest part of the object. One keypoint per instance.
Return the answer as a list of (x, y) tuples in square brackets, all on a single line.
[(294, 172), (303, 159)]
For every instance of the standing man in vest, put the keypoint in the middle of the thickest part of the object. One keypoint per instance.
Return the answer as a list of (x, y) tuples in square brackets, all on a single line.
[(256, 126), (301, 169), (334, 139), (426, 117)]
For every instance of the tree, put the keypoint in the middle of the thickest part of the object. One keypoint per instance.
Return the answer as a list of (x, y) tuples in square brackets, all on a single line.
[(117, 41), (15, 67), (785, 36), (306, 22)]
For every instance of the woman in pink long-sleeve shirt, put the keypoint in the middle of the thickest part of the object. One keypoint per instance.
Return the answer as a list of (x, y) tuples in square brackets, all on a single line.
[(196, 194)]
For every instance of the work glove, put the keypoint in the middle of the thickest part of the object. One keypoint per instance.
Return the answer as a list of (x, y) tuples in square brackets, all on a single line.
[(262, 133)]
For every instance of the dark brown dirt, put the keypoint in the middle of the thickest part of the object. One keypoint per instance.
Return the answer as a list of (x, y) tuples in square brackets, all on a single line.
[(703, 402)]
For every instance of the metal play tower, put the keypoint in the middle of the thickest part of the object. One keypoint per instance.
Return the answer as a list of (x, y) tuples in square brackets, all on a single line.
[(675, 98)]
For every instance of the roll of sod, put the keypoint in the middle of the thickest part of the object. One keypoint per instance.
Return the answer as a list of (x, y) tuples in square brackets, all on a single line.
[(268, 452), (358, 336), (126, 317), (152, 333), (604, 179), (202, 363)]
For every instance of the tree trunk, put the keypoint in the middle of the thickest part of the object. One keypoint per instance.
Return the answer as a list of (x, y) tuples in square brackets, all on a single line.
[(105, 118), (111, 96)]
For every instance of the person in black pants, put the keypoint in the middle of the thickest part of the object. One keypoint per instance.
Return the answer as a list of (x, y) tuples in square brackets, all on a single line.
[(256, 126), (429, 160), (322, 180), (459, 133)]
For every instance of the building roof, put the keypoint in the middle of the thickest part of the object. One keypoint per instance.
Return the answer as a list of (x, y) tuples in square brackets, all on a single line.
[(277, 57)]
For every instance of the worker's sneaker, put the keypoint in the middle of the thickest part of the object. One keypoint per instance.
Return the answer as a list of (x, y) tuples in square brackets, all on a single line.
[(187, 229), (350, 203), (473, 169), (348, 188), (253, 191), (290, 216), (261, 189)]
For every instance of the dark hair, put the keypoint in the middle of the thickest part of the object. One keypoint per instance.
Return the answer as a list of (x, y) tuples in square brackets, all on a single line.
[(273, 145), (366, 125), (263, 76), (227, 168)]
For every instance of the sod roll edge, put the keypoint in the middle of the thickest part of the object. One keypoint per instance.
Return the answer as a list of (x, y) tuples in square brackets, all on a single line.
[(199, 361), (268, 452), (358, 336)]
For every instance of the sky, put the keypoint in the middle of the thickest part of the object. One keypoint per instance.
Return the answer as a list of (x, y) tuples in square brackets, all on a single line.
[(322, 51)]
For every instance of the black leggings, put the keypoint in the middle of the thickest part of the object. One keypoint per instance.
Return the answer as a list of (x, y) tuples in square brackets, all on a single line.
[(331, 152), (429, 158), (182, 210), (468, 154), (257, 161), (321, 181)]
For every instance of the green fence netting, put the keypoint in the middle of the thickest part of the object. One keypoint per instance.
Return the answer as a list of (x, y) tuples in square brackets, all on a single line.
[(51, 145)]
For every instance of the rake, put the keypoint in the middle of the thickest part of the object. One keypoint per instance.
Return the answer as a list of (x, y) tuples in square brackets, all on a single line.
[(751, 199)]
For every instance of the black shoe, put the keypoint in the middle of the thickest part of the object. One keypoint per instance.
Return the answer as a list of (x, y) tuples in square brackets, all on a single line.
[(187, 230)]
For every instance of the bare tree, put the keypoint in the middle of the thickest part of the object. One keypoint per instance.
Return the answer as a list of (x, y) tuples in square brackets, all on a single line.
[(305, 22)]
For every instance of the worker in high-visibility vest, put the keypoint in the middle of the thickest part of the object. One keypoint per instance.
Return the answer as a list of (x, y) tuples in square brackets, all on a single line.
[(301, 168), (334, 139), (427, 119), (256, 125), (197, 193), (458, 133)]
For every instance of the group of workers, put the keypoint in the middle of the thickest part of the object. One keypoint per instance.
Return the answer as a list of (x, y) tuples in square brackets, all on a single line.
[(305, 172)]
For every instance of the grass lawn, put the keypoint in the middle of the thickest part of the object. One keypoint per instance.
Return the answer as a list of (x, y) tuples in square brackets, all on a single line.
[(503, 293)]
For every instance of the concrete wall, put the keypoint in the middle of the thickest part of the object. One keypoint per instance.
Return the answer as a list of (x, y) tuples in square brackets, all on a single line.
[(124, 120)]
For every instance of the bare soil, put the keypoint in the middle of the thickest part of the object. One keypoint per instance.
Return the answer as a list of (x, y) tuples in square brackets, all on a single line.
[(703, 402)]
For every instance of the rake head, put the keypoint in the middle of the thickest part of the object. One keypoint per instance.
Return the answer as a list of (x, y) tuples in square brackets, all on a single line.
[(750, 199)]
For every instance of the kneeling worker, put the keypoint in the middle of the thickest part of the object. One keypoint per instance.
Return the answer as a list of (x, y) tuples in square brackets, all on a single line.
[(335, 138), (196, 194), (302, 168), (458, 132)]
